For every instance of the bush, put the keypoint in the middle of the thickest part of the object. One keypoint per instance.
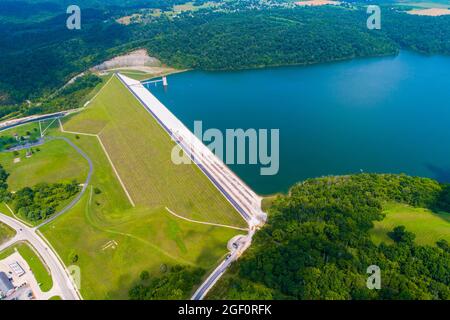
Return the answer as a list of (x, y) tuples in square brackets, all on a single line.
[(73, 257), (144, 275), (174, 285)]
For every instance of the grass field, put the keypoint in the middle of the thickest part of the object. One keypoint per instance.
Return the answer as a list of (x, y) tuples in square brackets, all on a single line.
[(146, 238), (5, 233), (56, 161), (428, 226), (115, 241), (141, 151), (32, 128), (37, 267)]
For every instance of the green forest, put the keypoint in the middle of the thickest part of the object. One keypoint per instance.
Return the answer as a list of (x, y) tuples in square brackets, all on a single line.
[(174, 284), (316, 244)]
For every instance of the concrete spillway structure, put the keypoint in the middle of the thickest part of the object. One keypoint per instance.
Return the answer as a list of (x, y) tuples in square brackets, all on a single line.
[(242, 197)]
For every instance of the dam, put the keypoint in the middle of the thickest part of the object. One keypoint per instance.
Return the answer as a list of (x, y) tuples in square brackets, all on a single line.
[(241, 197)]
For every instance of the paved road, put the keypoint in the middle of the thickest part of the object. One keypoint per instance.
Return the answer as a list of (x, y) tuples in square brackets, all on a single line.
[(61, 279), (242, 244), (60, 276), (5, 125)]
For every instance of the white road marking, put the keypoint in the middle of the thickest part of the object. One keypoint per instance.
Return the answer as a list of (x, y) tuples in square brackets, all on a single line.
[(206, 223)]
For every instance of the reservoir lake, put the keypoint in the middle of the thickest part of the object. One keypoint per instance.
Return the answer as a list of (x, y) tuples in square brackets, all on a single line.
[(383, 115)]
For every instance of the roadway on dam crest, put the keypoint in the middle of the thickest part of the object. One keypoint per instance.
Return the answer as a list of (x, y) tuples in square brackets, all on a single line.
[(241, 197)]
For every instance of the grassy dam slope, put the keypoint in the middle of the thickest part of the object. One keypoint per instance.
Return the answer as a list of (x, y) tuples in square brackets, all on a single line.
[(115, 236)]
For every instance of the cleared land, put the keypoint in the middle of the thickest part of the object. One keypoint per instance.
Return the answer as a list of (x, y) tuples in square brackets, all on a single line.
[(5, 233), (32, 128), (114, 241), (428, 226), (144, 73), (41, 274), (316, 3), (432, 12)]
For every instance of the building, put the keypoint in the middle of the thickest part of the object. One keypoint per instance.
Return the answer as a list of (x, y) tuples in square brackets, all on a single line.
[(6, 287), (17, 269)]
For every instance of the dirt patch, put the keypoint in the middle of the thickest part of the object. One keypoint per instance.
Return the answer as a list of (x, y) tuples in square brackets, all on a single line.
[(432, 12), (133, 59), (316, 3), (127, 20)]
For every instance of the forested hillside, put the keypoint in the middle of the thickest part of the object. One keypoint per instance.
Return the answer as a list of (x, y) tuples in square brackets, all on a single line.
[(39, 54), (316, 244)]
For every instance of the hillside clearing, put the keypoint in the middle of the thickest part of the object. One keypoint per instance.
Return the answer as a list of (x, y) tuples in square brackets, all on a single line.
[(428, 226)]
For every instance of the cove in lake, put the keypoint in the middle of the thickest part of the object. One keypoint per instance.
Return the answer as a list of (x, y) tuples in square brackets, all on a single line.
[(384, 115)]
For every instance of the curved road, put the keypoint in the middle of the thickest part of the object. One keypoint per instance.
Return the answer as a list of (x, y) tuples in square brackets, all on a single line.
[(85, 185), (61, 279)]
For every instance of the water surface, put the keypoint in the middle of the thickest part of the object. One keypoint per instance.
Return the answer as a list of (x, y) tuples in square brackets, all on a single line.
[(388, 115)]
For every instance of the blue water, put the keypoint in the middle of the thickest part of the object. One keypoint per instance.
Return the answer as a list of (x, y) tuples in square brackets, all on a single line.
[(389, 115)]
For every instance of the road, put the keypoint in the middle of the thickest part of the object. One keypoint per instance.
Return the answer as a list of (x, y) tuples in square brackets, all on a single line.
[(242, 244), (5, 125), (62, 285), (61, 280)]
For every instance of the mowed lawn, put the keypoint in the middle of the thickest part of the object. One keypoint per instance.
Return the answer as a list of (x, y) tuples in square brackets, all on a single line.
[(141, 151), (56, 161), (428, 226), (116, 242), (22, 130), (5, 233)]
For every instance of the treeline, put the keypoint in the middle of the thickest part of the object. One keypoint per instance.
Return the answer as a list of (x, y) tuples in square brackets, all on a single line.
[(253, 39), (41, 201), (176, 284), (70, 97), (4, 193), (316, 244)]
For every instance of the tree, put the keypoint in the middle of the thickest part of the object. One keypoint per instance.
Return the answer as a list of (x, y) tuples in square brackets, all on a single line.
[(317, 244), (144, 275), (443, 244), (400, 235)]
